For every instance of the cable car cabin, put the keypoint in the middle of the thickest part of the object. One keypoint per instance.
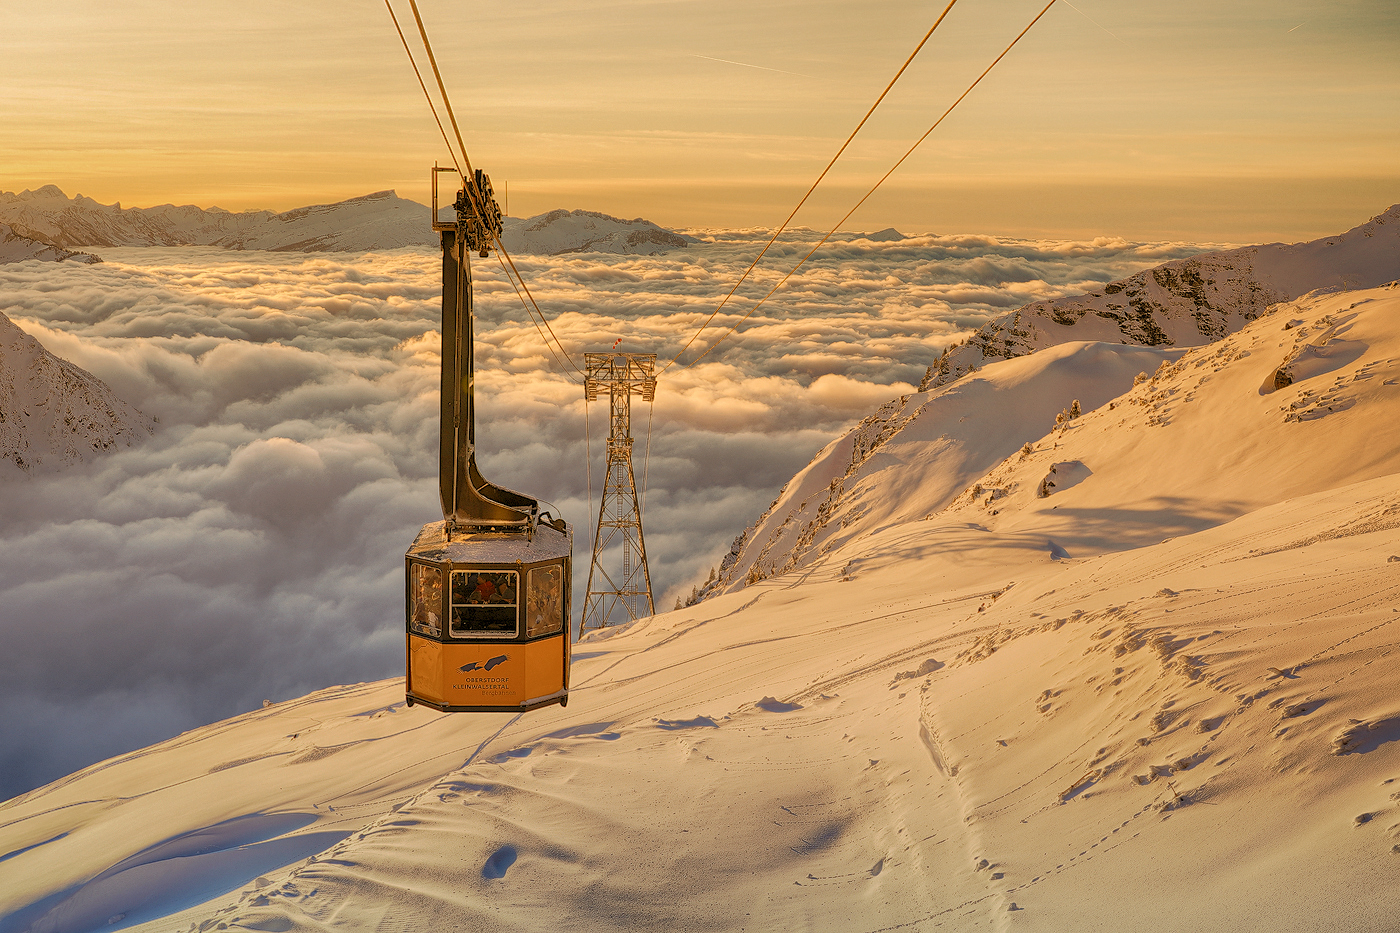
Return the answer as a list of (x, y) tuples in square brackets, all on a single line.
[(487, 619), (487, 588)]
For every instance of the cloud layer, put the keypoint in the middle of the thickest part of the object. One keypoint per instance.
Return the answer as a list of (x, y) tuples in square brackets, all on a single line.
[(253, 547)]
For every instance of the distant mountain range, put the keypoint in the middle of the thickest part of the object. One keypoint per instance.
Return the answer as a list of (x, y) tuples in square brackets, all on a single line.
[(563, 231), (383, 220), (53, 413), (1186, 302)]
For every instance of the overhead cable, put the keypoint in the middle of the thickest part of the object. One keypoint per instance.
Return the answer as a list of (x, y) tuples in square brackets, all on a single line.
[(419, 75), (473, 194), (547, 345), (783, 225), (873, 188)]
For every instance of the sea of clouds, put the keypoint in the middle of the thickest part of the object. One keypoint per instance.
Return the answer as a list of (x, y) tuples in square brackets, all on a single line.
[(252, 548)]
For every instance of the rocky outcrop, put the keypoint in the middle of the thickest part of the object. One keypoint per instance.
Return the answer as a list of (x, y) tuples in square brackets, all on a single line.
[(53, 413), (16, 246), (1186, 302)]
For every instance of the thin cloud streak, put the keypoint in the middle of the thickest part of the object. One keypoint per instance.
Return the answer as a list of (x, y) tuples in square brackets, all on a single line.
[(1094, 21), (747, 65)]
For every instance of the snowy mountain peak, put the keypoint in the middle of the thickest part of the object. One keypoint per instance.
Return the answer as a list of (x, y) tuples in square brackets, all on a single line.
[(46, 192), (887, 235), (53, 413), (560, 231), (349, 203)]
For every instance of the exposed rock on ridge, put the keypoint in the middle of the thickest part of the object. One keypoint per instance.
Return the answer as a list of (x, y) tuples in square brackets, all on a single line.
[(1186, 302), (16, 247), (53, 413)]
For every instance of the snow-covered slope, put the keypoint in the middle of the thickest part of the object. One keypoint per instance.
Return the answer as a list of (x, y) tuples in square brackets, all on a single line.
[(563, 231), (51, 412), (1317, 383), (1001, 716), (917, 452), (15, 247), (382, 220), (1186, 302)]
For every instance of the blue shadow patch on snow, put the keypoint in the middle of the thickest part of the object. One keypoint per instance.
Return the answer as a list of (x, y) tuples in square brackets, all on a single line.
[(1366, 737), (499, 863), (523, 752), (699, 722), (9, 855), (597, 729), (773, 705), (176, 874)]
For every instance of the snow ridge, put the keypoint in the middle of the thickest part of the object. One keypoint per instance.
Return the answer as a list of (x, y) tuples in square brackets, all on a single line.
[(559, 231), (53, 413), (918, 452), (1185, 302), (15, 246)]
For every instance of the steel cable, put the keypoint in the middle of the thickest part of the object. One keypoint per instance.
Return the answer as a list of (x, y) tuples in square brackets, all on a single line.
[(473, 194), (783, 226), (873, 188)]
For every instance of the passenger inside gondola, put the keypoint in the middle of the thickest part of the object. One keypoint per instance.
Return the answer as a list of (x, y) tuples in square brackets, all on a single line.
[(426, 590), (483, 603)]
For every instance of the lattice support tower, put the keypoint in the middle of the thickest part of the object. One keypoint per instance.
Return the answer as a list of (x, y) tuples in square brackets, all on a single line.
[(613, 600)]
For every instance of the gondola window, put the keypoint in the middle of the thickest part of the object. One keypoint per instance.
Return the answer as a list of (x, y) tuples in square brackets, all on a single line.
[(544, 602), (484, 603), (426, 586)]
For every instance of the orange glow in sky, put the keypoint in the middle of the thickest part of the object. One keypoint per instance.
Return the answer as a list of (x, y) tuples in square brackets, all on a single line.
[(1256, 119)]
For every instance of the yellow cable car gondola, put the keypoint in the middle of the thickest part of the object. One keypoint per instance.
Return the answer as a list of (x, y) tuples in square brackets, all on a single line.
[(486, 589)]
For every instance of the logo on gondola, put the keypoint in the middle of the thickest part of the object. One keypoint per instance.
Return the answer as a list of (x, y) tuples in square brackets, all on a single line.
[(474, 666)]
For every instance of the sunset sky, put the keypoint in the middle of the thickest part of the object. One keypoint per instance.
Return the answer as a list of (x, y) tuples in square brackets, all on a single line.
[(1256, 119)]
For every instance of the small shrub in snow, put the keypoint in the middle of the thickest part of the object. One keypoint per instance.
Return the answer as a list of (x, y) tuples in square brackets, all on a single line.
[(1067, 415)]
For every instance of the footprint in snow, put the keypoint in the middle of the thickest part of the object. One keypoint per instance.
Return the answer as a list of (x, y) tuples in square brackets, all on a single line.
[(777, 706), (499, 863)]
